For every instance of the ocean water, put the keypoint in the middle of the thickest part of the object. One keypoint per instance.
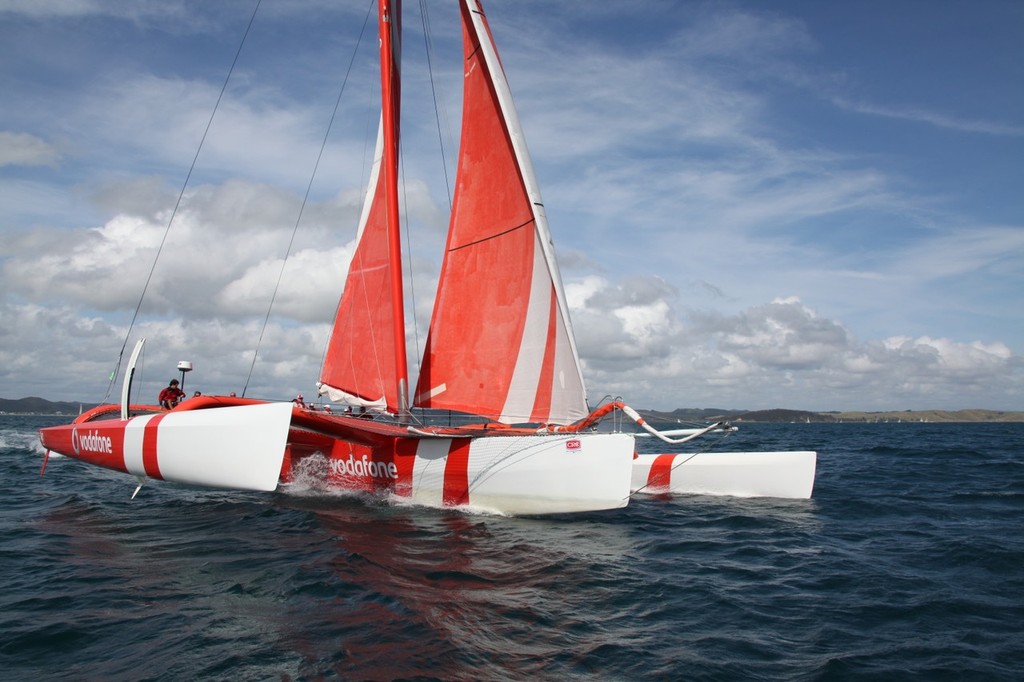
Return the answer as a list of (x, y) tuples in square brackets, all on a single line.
[(908, 563)]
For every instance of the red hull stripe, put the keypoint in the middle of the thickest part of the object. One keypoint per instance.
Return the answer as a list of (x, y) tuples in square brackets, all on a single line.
[(149, 454), (660, 475), (405, 459), (456, 473)]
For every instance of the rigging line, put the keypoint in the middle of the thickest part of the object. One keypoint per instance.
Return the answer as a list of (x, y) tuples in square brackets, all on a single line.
[(302, 208), (364, 191), (492, 236), (177, 204), (355, 263), (428, 51), (438, 110), (408, 267), (668, 474), (665, 475)]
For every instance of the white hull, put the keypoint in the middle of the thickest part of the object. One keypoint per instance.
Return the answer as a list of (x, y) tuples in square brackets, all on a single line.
[(237, 448), (251, 446), (531, 474), (739, 474)]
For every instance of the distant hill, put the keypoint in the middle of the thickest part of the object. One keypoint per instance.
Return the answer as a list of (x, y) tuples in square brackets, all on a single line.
[(41, 406), (927, 416), (683, 414), (780, 415), (690, 414), (718, 414)]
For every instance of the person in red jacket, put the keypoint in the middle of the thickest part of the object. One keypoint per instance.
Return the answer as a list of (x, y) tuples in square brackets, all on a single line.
[(171, 396)]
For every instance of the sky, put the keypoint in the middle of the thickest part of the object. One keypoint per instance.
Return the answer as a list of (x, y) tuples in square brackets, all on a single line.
[(792, 204)]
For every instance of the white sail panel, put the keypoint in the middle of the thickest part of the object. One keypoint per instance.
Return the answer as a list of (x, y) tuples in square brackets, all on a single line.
[(357, 367)]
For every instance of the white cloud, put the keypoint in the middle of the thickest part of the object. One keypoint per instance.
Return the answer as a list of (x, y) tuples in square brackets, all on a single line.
[(309, 286), (220, 240), (939, 120), (780, 354), (959, 251), (212, 286), (22, 149), (51, 8), (161, 121), (61, 353)]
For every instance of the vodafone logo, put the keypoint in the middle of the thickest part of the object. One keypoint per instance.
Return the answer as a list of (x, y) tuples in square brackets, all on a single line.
[(363, 467), (573, 444), (91, 442)]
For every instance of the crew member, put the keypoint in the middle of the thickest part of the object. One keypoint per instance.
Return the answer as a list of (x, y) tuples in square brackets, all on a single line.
[(171, 396)]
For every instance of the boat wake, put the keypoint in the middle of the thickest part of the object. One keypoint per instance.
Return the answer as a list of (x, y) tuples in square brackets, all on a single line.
[(311, 480)]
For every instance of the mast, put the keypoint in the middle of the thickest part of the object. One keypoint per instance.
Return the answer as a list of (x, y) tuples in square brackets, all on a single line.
[(365, 362), (390, 82)]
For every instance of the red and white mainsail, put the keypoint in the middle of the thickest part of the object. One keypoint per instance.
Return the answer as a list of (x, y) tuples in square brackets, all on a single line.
[(500, 343), (365, 362)]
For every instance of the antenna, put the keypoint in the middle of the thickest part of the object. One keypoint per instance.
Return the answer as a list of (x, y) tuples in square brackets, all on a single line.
[(184, 366)]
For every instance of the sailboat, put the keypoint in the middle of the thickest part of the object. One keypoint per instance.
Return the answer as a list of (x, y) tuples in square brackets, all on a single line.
[(500, 350)]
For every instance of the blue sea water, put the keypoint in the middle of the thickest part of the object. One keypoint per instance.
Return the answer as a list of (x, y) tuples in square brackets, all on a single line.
[(908, 563)]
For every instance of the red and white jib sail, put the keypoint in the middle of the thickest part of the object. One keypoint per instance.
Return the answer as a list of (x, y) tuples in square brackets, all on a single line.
[(365, 362), (500, 343)]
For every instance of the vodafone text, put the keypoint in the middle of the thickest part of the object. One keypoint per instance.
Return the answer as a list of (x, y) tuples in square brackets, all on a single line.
[(91, 442), (363, 467)]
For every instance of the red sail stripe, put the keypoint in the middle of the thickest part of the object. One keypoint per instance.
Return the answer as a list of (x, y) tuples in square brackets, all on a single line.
[(149, 442), (456, 473), (660, 475), (545, 383)]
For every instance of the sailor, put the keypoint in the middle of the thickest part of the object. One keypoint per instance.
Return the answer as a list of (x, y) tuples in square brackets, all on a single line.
[(299, 401), (170, 396)]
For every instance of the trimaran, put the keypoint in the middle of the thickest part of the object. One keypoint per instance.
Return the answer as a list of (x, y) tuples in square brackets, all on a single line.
[(500, 347)]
